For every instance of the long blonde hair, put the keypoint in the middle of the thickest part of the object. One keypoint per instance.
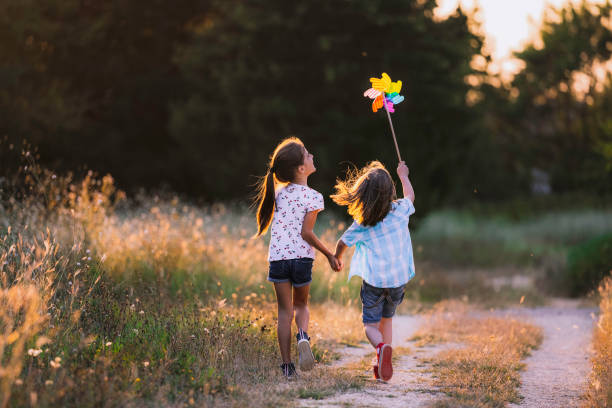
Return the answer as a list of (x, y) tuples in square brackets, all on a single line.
[(368, 193)]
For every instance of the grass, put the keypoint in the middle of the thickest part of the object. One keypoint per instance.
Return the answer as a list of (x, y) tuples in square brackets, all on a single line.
[(158, 302), (599, 392), (469, 239), (484, 370)]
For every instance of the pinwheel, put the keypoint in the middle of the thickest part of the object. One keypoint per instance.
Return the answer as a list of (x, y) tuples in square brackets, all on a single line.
[(385, 93)]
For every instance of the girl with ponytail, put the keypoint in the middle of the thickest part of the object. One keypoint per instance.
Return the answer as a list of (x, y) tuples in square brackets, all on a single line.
[(289, 208)]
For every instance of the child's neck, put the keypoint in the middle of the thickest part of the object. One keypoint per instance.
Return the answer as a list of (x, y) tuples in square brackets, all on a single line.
[(301, 179)]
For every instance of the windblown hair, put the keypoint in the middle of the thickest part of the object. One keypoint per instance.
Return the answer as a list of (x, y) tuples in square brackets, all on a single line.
[(287, 157), (368, 193)]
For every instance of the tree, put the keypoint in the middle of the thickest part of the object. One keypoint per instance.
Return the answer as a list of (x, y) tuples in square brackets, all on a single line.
[(558, 126), (259, 74)]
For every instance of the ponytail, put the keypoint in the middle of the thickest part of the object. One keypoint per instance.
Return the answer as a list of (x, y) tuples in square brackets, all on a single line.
[(285, 160), (265, 198)]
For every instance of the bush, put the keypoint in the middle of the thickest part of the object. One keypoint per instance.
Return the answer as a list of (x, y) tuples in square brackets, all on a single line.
[(588, 264)]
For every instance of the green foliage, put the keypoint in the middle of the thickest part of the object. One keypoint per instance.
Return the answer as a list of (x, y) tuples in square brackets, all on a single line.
[(587, 264), (462, 238), (190, 93), (282, 70), (547, 122)]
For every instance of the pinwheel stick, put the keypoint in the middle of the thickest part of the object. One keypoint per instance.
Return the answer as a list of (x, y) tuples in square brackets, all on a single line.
[(392, 131)]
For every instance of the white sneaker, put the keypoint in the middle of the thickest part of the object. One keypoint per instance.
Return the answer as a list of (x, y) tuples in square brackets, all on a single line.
[(306, 358)]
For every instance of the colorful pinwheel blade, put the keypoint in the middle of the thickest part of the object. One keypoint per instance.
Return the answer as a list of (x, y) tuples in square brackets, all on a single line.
[(395, 87), (397, 99), (381, 84), (389, 106), (372, 93), (377, 103)]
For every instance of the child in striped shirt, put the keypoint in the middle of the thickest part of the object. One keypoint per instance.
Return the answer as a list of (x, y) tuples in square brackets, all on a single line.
[(383, 254)]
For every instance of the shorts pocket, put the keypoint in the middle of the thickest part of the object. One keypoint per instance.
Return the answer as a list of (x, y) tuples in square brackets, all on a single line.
[(302, 271)]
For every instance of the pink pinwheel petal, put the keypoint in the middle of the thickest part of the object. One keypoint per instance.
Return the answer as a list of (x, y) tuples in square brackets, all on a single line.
[(372, 93), (389, 106)]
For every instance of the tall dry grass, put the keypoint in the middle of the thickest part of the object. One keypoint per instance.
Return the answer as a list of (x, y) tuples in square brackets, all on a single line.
[(484, 370), (599, 393), (105, 301)]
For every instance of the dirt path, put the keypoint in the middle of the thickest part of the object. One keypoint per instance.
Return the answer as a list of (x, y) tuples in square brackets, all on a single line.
[(409, 386), (557, 371), (554, 377)]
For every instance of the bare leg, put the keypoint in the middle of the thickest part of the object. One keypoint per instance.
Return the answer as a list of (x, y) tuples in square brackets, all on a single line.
[(386, 329), (300, 305), (373, 333), (285, 317)]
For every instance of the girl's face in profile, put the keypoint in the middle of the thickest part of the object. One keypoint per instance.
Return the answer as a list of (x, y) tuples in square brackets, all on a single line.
[(309, 167)]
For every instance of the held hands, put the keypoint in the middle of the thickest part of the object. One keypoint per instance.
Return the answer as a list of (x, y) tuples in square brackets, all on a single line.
[(402, 169), (335, 263)]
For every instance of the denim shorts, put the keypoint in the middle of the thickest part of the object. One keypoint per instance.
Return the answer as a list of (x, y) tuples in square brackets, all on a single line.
[(297, 271), (379, 302)]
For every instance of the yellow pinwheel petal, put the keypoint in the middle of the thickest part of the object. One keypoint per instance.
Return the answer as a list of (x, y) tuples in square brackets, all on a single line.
[(395, 87), (381, 84)]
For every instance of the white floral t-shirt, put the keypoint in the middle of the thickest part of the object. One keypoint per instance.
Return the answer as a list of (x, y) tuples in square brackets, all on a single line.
[(293, 201)]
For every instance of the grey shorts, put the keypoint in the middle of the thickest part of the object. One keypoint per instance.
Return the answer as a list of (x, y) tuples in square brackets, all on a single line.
[(297, 271), (379, 302)]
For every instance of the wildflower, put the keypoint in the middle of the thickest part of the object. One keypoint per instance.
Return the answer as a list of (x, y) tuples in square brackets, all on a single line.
[(19, 381), (34, 352), (55, 363), (48, 382), (137, 379), (145, 363), (193, 336), (135, 331), (141, 312), (108, 343)]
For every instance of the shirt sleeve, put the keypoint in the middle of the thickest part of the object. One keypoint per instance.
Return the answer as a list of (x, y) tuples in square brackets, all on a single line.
[(404, 208), (315, 202), (352, 235)]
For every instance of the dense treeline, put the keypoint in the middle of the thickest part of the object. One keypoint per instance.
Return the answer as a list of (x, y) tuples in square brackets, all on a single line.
[(195, 94)]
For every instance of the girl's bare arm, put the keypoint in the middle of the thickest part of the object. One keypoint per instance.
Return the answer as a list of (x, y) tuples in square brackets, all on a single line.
[(402, 172), (309, 236)]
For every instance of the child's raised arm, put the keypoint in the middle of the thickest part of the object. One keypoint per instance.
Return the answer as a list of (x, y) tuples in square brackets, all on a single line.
[(309, 236), (402, 172)]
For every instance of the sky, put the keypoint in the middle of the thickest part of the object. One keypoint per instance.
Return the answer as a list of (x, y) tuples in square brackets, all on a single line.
[(507, 25)]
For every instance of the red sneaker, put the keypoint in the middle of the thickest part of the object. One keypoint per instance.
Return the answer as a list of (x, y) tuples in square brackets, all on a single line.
[(385, 368), (375, 366)]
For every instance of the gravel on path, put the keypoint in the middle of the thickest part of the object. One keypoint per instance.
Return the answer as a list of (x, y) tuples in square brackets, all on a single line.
[(410, 386), (554, 377), (557, 372)]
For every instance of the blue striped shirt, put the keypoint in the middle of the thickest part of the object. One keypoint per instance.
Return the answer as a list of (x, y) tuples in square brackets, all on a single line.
[(383, 254)]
